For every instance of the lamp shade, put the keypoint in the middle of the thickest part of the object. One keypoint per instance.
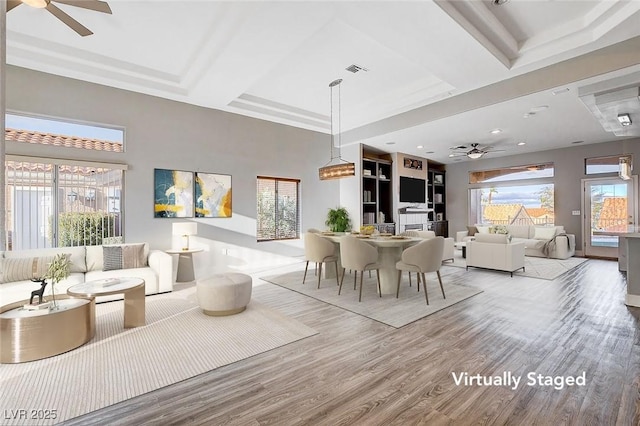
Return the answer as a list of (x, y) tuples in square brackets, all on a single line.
[(185, 228)]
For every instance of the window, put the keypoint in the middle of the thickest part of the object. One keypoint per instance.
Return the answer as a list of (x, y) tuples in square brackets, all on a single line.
[(504, 199), (278, 209), (600, 165), (48, 131), (53, 204), (56, 202)]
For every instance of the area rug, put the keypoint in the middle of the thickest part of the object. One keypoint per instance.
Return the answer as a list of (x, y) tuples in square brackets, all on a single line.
[(409, 307), (535, 267), (177, 343)]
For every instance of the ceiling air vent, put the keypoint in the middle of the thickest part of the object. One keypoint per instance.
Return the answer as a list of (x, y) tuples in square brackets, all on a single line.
[(355, 68)]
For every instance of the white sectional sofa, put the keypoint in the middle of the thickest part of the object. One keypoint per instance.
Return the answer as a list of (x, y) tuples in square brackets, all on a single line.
[(539, 241), (87, 264)]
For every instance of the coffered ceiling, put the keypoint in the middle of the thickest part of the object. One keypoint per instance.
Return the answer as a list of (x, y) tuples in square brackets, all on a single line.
[(437, 73)]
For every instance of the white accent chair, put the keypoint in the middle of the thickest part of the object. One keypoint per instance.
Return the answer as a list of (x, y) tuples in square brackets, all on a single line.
[(494, 251), (358, 256), (318, 250), (422, 258)]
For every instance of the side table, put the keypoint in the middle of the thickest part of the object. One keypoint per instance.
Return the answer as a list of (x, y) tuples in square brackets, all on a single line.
[(185, 264)]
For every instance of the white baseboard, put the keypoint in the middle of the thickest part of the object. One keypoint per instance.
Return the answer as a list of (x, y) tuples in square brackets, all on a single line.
[(632, 300)]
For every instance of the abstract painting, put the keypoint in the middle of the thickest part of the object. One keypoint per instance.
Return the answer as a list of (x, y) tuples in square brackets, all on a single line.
[(213, 195), (173, 193)]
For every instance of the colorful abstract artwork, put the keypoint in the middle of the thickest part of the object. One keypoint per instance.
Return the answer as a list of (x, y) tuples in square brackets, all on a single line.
[(173, 193), (213, 195)]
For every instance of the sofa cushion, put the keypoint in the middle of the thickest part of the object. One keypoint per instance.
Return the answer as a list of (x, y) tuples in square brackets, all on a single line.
[(124, 256), (76, 255), (520, 231), (544, 233), (471, 231), (491, 238), (24, 268)]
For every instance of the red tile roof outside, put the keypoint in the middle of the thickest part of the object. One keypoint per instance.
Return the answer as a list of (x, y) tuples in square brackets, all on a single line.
[(40, 138), (613, 216)]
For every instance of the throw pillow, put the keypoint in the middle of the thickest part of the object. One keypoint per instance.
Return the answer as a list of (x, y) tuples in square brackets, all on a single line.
[(24, 268), (544, 233), (471, 231), (482, 229), (123, 257)]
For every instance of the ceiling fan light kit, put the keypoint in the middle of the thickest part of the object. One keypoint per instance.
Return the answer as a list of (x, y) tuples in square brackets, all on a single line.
[(95, 5)]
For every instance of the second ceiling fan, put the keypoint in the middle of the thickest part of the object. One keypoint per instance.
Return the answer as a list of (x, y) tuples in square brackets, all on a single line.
[(474, 153), (97, 5)]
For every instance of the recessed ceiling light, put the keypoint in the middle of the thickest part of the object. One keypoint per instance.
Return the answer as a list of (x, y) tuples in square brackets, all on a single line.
[(499, 2), (391, 143), (495, 131), (420, 147), (521, 143), (624, 119)]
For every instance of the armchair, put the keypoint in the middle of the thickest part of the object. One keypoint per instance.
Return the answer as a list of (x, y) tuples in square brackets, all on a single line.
[(493, 251)]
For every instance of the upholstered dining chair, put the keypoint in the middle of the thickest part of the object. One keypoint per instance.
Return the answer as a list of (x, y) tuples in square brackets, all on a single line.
[(318, 250), (358, 256), (426, 256)]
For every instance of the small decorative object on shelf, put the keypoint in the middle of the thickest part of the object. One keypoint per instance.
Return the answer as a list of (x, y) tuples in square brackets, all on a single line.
[(437, 179)]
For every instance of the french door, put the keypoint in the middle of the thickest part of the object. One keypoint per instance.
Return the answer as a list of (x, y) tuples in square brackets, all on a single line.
[(610, 208)]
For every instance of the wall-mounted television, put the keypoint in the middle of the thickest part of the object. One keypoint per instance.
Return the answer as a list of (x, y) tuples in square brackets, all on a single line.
[(412, 190)]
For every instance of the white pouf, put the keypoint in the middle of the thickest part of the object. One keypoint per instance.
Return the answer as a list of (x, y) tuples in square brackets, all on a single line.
[(224, 294)]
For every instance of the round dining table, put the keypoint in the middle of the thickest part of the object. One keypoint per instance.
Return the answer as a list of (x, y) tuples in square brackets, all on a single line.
[(389, 252)]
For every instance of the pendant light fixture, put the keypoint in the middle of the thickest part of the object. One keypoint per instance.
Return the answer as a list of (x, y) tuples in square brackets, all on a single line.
[(336, 168)]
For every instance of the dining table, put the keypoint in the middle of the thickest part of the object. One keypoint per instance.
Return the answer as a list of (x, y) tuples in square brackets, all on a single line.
[(390, 249)]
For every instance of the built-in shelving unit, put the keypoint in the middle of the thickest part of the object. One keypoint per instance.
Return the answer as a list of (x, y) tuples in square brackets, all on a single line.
[(377, 192), (436, 191)]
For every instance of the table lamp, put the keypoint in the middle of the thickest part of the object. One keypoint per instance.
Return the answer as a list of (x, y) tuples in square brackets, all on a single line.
[(185, 229)]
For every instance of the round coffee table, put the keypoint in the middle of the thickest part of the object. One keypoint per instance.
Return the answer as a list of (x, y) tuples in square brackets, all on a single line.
[(132, 288), (31, 335)]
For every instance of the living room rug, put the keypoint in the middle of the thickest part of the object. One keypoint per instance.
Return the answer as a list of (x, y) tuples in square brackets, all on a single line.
[(409, 307), (535, 267), (177, 343)]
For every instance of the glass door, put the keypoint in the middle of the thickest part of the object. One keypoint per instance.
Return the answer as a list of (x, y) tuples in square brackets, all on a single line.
[(610, 209)]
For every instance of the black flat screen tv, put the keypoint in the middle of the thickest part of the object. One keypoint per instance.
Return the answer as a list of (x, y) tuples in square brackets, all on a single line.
[(412, 190)]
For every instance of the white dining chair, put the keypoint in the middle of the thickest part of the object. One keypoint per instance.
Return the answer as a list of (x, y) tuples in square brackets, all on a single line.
[(318, 250), (426, 256), (358, 256)]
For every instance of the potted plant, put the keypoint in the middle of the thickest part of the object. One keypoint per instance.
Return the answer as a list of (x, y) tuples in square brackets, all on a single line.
[(57, 271), (338, 220)]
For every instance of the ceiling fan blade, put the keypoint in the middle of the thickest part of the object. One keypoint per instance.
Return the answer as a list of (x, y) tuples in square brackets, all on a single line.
[(457, 154), (13, 3), (493, 150), (71, 23), (97, 5)]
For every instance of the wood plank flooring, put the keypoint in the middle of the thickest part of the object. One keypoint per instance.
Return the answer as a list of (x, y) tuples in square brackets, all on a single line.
[(357, 371)]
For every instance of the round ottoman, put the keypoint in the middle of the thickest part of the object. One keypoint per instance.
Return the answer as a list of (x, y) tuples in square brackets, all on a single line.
[(224, 294)]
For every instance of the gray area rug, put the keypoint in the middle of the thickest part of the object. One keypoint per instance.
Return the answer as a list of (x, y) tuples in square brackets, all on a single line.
[(177, 343), (409, 307), (535, 267)]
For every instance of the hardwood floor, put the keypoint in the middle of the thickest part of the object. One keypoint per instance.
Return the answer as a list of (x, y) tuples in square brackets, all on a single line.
[(357, 371)]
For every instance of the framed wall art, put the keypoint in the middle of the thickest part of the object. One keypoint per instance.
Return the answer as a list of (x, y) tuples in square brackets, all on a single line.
[(412, 164), (212, 195), (173, 193)]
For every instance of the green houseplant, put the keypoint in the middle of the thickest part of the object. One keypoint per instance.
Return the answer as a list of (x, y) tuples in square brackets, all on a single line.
[(338, 220), (57, 271)]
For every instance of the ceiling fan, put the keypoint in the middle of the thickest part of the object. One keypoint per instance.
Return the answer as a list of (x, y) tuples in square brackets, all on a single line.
[(474, 153), (97, 5)]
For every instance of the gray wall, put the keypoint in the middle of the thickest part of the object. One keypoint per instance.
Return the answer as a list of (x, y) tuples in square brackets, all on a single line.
[(166, 134), (569, 170)]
